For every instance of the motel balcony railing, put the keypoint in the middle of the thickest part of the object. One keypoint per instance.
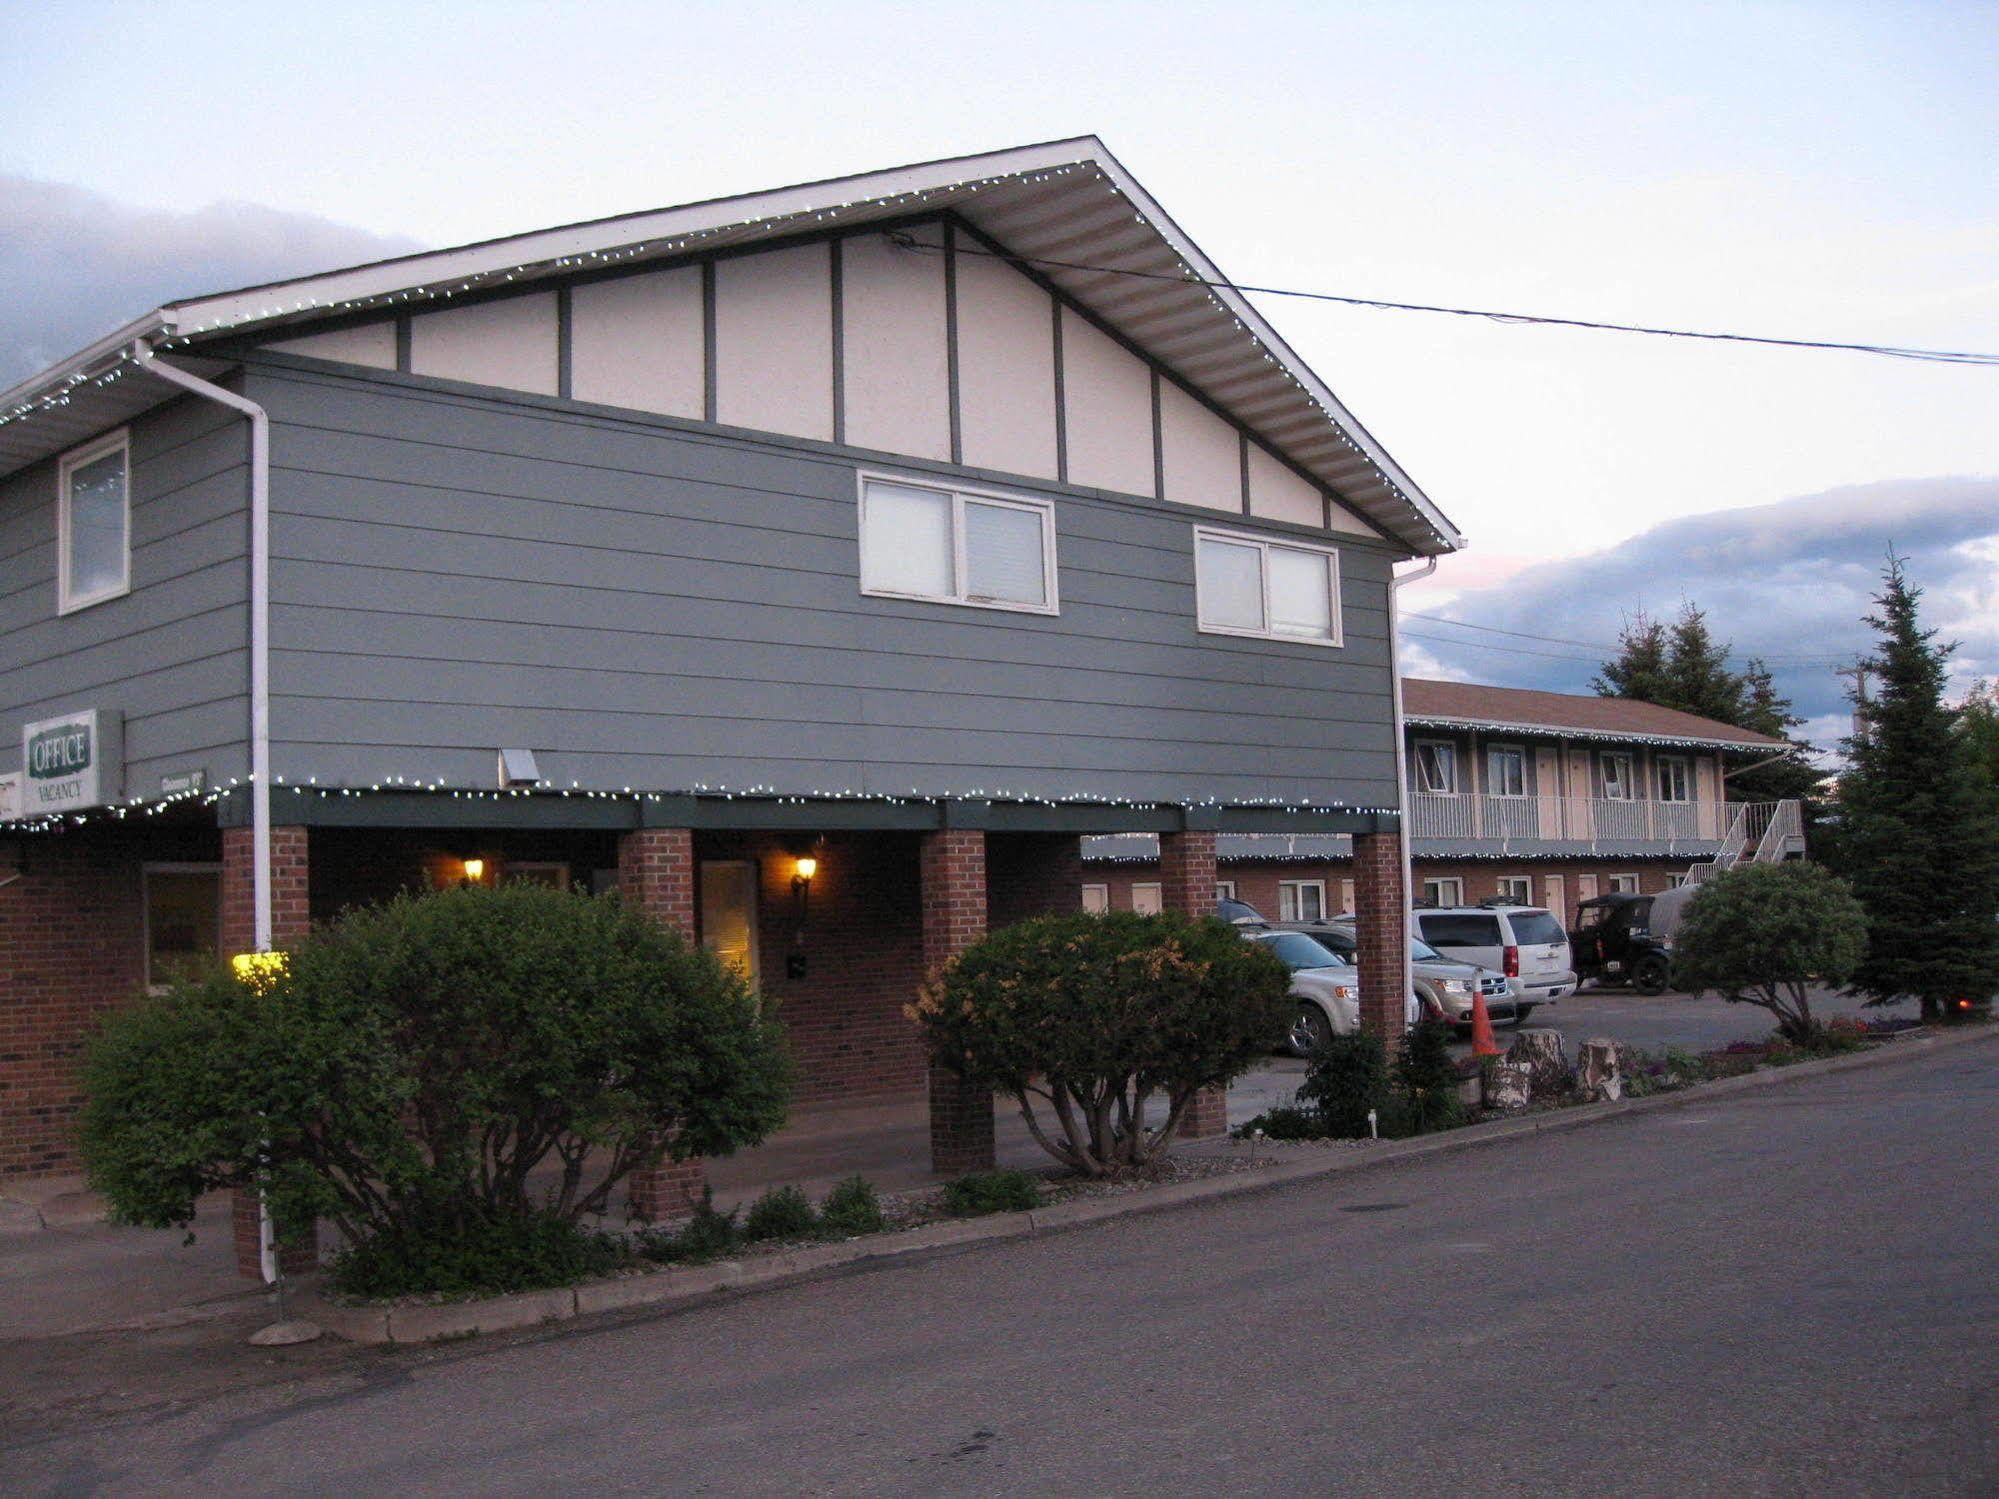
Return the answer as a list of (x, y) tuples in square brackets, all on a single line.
[(1739, 828)]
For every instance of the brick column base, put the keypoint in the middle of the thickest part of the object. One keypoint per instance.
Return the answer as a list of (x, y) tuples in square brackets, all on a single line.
[(961, 1124), (666, 1190), (952, 868), (1207, 1115), (1381, 912), (1187, 873), (295, 1258), (291, 919)]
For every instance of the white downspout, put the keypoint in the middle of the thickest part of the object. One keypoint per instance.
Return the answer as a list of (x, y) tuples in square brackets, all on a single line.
[(1395, 582), (260, 682)]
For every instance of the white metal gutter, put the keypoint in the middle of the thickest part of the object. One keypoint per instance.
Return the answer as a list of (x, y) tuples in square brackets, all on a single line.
[(260, 621), (1395, 584)]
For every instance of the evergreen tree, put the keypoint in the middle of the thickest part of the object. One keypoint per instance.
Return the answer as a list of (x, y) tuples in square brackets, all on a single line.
[(1639, 672), (1920, 838), (1978, 725), (1767, 711), (1697, 676)]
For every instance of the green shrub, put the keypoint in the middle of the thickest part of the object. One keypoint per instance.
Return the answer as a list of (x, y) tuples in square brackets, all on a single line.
[(991, 1192), (781, 1213), (414, 1064), (1095, 1015), (476, 1259), (1284, 1122), (1426, 1077), (706, 1235), (851, 1209), (1762, 933), (1348, 1077)]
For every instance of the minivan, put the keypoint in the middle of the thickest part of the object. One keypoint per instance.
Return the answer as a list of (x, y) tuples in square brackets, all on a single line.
[(1525, 943)]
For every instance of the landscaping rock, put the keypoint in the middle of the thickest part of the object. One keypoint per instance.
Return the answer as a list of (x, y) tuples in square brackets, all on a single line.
[(1545, 1054), (1600, 1069), (1509, 1086)]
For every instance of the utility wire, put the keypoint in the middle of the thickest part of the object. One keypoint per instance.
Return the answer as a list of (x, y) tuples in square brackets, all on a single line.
[(1891, 351), (1596, 645)]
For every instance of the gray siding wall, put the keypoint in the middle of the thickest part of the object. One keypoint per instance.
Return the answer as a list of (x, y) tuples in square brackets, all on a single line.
[(651, 604), (171, 655)]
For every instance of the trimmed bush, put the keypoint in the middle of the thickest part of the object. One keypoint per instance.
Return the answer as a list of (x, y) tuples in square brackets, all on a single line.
[(1762, 933), (991, 1192), (478, 1259), (706, 1235), (781, 1213), (851, 1209), (414, 1064), (1097, 1015), (1426, 1078), (1284, 1122), (1347, 1079)]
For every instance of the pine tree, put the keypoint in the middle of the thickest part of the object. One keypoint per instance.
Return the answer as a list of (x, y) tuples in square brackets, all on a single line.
[(1697, 676), (1920, 839), (1639, 671), (1767, 711)]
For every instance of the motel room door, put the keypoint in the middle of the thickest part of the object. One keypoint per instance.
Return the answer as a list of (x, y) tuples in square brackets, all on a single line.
[(1554, 895), (728, 915)]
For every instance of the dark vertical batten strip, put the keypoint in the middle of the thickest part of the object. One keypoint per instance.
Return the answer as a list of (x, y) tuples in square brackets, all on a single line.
[(403, 344), (709, 405), (1243, 438), (1061, 401), (951, 340), (1158, 444), (836, 260), (565, 344)]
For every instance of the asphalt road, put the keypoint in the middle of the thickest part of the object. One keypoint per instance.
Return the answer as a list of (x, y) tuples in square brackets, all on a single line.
[(1682, 1020), (1787, 1291)]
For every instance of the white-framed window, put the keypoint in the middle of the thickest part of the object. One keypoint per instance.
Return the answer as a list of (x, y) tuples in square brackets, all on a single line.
[(94, 523), (1624, 884), (1148, 898), (726, 892), (1436, 767), (1274, 590), (1096, 899), (1676, 778), (1301, 900), (1517, 889), (1674, 881), (1224, 889), (1616, 768), (183, 914), (946, 545), (1505, 770), (1444, 892)]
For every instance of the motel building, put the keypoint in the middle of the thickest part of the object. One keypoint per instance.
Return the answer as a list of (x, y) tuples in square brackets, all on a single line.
[(817, 568)]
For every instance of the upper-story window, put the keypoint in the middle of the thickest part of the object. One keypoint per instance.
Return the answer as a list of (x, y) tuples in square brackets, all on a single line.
[(1506, 770), (1245, 585), (1437, 767), (1617, 785), (953, 546), (93, 523), (1676, 783)]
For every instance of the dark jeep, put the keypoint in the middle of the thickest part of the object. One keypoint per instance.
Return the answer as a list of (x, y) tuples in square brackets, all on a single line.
[(1614, 944)]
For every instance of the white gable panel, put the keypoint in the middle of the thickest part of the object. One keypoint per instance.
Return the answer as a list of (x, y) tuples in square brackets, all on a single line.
[(1006, 369), (894, 353), (510, 343), (1339, 518), (1107, 400), (774, 341), (372, 344), (1201, 453), (637, 341), (1276, 492)]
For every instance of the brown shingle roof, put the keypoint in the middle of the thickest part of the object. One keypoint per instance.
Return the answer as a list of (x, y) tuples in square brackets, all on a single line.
[(1442, 703)]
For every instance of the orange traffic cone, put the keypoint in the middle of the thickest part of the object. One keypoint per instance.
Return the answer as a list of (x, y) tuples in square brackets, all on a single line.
[(1482, 1042)]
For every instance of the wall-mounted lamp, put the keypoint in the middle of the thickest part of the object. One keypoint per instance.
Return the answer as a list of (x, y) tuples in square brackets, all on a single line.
[(802, 870), (475, 871)]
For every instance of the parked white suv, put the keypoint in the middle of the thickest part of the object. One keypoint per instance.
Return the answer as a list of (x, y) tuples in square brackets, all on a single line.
[(1525, 943)]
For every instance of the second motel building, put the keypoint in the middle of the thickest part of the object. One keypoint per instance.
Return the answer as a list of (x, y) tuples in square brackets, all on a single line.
[(878, 523)]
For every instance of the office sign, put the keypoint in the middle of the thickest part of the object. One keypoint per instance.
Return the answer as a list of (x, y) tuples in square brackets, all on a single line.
[(72, 762)]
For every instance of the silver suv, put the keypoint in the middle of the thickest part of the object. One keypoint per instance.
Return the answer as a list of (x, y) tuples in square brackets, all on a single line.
[(1524, 943), (1444, 986)]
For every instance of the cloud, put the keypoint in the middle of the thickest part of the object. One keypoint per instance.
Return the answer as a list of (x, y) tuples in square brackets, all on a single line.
[(74, 265), (1788, 582)]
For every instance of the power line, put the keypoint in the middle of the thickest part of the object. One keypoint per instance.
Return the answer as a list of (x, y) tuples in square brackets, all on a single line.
[(1597, 645), (1891, 351)]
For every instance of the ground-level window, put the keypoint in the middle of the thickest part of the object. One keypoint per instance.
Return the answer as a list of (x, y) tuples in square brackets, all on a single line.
[(1506, 770), (94, 523), (1224, 889), (1624, 884), (1301, 900), (1096, 899), (1444, 892), (1245, 585), (1517, 888), (1150, 898), (183, 920), (1676, 779), (537, 872), (1436, 767), (1674, 881), (728, 914), (1617, 785), (950, 546)]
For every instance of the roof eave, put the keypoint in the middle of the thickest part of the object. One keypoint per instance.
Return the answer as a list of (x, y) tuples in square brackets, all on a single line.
[(1572, 731)]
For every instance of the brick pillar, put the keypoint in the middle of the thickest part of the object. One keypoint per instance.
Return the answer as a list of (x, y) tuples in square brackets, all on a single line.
[(1381, 912), (291, 918), (1187, 885), (953, 873), (656, 874)]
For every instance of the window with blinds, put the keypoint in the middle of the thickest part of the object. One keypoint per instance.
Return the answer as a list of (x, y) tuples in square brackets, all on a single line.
[(952, 546), (1247, 585)]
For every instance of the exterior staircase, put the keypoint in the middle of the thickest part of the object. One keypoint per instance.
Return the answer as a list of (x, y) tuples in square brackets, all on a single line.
[(1757, 833)]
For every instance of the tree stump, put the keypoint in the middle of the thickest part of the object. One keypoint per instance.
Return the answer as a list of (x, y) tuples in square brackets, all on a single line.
[(1509, 1086), (1546, 1055), (1600, 1070)]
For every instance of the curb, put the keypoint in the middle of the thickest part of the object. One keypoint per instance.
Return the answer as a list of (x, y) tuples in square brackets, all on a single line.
[(682, 1284)]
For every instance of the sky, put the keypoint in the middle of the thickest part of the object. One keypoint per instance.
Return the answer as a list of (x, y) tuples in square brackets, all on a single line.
[(1820, 170)]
